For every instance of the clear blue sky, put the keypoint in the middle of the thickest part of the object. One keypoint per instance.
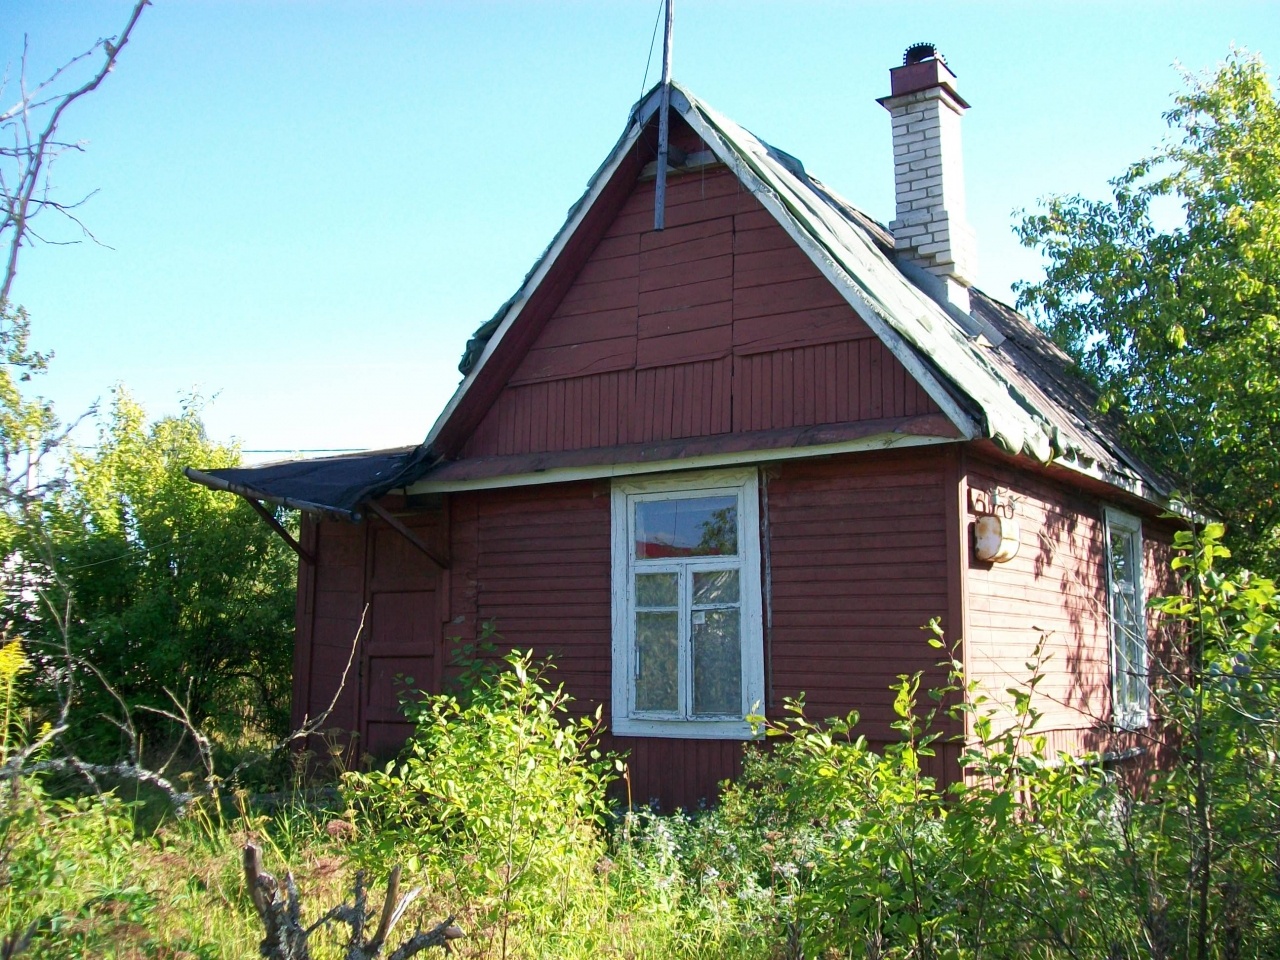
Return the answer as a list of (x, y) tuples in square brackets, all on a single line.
[(311, 205)]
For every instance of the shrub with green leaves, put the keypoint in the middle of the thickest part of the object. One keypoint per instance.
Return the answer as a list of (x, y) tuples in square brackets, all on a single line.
[(501, 797), (148, 582), (1206, 843), (60, 858), (866, 855)]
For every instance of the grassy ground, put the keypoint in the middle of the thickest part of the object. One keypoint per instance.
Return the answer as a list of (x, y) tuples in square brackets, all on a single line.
[(98, 884)]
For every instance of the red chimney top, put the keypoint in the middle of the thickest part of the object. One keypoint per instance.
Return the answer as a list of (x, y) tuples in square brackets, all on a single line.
[(922, 67)]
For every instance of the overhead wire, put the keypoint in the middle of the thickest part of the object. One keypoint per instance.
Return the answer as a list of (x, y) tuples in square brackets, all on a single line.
[(662, 4), (179, 537)]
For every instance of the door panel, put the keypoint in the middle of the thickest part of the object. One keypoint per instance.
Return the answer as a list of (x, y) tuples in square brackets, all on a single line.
[(400, 652)]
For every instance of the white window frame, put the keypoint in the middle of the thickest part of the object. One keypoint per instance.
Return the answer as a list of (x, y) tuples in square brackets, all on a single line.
[(626, 494), (1131, 701)]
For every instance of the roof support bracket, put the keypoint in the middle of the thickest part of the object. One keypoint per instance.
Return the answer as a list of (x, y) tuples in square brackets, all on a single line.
[(278, 527), (405, 532)]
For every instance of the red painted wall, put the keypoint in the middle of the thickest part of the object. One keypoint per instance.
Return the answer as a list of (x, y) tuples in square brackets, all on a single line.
[(862, 551), (1056, 586), (367, 572), (720, 323), (858, 566), (858, 558)]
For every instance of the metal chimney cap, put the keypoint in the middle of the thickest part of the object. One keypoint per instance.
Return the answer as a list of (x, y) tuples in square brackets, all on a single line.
[(919, 52)]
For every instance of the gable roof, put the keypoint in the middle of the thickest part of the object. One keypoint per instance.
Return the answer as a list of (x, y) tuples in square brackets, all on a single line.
[(993, 373)]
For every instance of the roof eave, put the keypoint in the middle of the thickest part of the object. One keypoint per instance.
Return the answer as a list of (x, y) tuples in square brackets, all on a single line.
[(220, 485)]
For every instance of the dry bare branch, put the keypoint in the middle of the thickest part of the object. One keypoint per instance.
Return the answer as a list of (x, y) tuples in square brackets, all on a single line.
[(287, 939), (30, 759), (15, 943), (25, 194)]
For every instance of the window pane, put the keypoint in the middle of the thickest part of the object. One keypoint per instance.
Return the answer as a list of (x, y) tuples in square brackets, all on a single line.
[(657, 662), (1123, 571), (715, 586), (1129, 631), (1125, 609), (717, 663), (657, 590), (698, 527), (1125, 667)]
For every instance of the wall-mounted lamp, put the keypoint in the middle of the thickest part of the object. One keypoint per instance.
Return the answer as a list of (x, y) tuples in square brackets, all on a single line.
[(996, 536)]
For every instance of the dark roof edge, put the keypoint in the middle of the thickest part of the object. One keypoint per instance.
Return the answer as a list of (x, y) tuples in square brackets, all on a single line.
[(220, 485), (343, 483)]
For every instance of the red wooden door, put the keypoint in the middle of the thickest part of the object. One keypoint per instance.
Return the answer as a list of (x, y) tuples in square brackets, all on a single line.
[(400, 653)]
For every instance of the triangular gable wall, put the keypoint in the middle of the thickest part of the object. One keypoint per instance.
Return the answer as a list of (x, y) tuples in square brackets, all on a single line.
[(718, 325)]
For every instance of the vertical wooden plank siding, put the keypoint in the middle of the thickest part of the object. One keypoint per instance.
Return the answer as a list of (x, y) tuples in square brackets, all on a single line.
[(859, 566), (1054, 591), (956, 624), (859, 562), (303, 622), (358, 565), (535, 563), (401, 649), (862, 553), (542, 578), (335, 620), (719, 323)]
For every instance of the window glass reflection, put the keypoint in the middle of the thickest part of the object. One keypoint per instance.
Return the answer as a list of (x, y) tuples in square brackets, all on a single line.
[(690, 527)]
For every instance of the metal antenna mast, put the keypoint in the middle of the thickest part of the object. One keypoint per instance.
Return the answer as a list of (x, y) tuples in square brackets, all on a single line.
[(664, 125)]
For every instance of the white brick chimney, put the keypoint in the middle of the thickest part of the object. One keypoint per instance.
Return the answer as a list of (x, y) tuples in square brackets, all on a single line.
[(930, 228)]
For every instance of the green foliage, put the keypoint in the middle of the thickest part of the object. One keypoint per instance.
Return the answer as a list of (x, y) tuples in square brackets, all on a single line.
[(56, 850), (51, 850), (691, 886), (882, 861), (1178, 327), (23, 422), (168, 585), (503, 794), (865, 855), (1209, 837), (27, 426), (826, 847)]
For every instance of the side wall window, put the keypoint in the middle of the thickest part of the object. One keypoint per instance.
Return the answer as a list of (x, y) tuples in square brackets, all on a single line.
[(1130, 690), (688, 647)]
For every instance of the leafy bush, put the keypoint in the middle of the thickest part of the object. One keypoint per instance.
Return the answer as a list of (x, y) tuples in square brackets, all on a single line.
[(825, 847), (501, 798), (861, 854), (1205, 846), (151, 582), (868, 856), (59, 857)]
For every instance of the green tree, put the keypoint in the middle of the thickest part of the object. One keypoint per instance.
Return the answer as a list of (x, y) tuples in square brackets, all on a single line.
[(28, 428), (169, 585), (1178, 327)]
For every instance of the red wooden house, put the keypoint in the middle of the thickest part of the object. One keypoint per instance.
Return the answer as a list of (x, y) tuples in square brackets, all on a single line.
[(742, 457)]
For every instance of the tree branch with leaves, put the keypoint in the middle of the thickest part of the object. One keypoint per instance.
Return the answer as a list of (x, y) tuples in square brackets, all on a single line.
[(1179, 327)]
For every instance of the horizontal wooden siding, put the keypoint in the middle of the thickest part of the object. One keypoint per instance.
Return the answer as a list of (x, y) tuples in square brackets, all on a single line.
[(717, 324)]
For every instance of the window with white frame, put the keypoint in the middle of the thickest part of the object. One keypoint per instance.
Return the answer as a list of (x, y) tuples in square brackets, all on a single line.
[(1130, 691), (688, 647)]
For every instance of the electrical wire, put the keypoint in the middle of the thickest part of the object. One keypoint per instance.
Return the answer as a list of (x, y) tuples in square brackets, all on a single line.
[(662, 5)]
